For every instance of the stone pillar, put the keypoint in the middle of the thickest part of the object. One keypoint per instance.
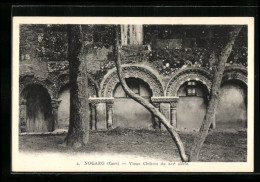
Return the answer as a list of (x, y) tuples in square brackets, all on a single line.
[(156, 123), (167, 108), (22, 116), (173, 120), (93, 117), (109, 106), (102, 117), (55, 105)]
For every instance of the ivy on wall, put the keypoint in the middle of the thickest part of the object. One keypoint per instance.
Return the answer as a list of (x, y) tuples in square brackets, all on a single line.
[(207, 39), (52, 44), (169, 61), (104, 35), (195, 46)]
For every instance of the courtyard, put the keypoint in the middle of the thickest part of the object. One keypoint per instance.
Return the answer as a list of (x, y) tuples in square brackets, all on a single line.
[(220, 145)]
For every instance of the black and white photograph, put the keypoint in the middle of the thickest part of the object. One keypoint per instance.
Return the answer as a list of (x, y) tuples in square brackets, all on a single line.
[(131, 94)]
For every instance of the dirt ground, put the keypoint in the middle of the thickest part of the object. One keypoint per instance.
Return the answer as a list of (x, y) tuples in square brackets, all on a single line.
[(220, 146)]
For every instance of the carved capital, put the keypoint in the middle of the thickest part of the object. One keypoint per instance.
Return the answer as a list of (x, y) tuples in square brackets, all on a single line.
[(98, 100), (174, 104), (55, 103), (109, 105), (156, 104), (164, 99)]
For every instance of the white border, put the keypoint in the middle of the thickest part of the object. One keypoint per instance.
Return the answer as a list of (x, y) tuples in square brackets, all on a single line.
[(56, 162)]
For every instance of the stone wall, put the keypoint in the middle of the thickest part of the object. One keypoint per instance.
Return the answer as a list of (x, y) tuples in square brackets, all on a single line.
[(168, 57)]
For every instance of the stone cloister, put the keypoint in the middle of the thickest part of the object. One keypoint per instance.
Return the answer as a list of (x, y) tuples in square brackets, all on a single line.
[(172, 90)]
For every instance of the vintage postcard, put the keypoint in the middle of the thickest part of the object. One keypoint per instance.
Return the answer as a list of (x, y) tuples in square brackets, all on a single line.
[(72, 113)]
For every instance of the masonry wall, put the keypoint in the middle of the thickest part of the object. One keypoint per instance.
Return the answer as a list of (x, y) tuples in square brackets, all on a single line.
[(43, 55)]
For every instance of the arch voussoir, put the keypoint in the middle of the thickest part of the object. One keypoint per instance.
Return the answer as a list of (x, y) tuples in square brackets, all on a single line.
[(142, 72)]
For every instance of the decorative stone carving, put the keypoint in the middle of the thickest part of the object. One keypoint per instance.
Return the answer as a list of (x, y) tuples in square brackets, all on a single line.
[(198, 74), (164, 99), (146, 74), (174, 103), (235, 73), (156, 104), (98, 100)]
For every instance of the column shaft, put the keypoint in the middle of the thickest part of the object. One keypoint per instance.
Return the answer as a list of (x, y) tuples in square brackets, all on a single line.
[(93, 117), (109, 115), (55, 105)]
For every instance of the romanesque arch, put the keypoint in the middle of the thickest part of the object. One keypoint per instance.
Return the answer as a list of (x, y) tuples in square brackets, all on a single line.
[(24, 81), (232, 107), (35, 109), (235, 73), (136, 71), (184, 75)]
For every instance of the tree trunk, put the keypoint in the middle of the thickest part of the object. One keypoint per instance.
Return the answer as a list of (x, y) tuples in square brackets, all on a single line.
[(78, 133), (215, 88), (175, 136)]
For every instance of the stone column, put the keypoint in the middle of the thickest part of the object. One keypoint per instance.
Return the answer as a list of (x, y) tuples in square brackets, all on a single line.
[(109, 107), (93, 117), (156, 119), (167, 108), (55, 105), (22, 116), (173, 120)]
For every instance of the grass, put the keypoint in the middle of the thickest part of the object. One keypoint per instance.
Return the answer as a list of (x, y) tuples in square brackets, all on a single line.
[(220, 146)]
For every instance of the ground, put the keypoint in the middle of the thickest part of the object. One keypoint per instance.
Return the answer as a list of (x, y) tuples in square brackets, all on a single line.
[(220, 146)]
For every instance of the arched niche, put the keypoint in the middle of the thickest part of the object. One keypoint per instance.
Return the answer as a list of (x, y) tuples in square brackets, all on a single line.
[(127, 113), (35, 109), (50, 86), (235, 73), (184, 75), (192, 104), (231, 112)]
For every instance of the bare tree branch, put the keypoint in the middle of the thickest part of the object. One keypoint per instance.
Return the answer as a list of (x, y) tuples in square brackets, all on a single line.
[(175, 136), (95, 83), (215, 88)]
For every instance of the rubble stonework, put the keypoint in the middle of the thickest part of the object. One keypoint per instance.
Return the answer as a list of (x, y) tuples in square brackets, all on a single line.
[(165, 63)]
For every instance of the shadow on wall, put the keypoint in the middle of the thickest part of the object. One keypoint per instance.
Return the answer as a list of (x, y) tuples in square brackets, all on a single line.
[(191, 108), (231, 112), (232, 108)]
